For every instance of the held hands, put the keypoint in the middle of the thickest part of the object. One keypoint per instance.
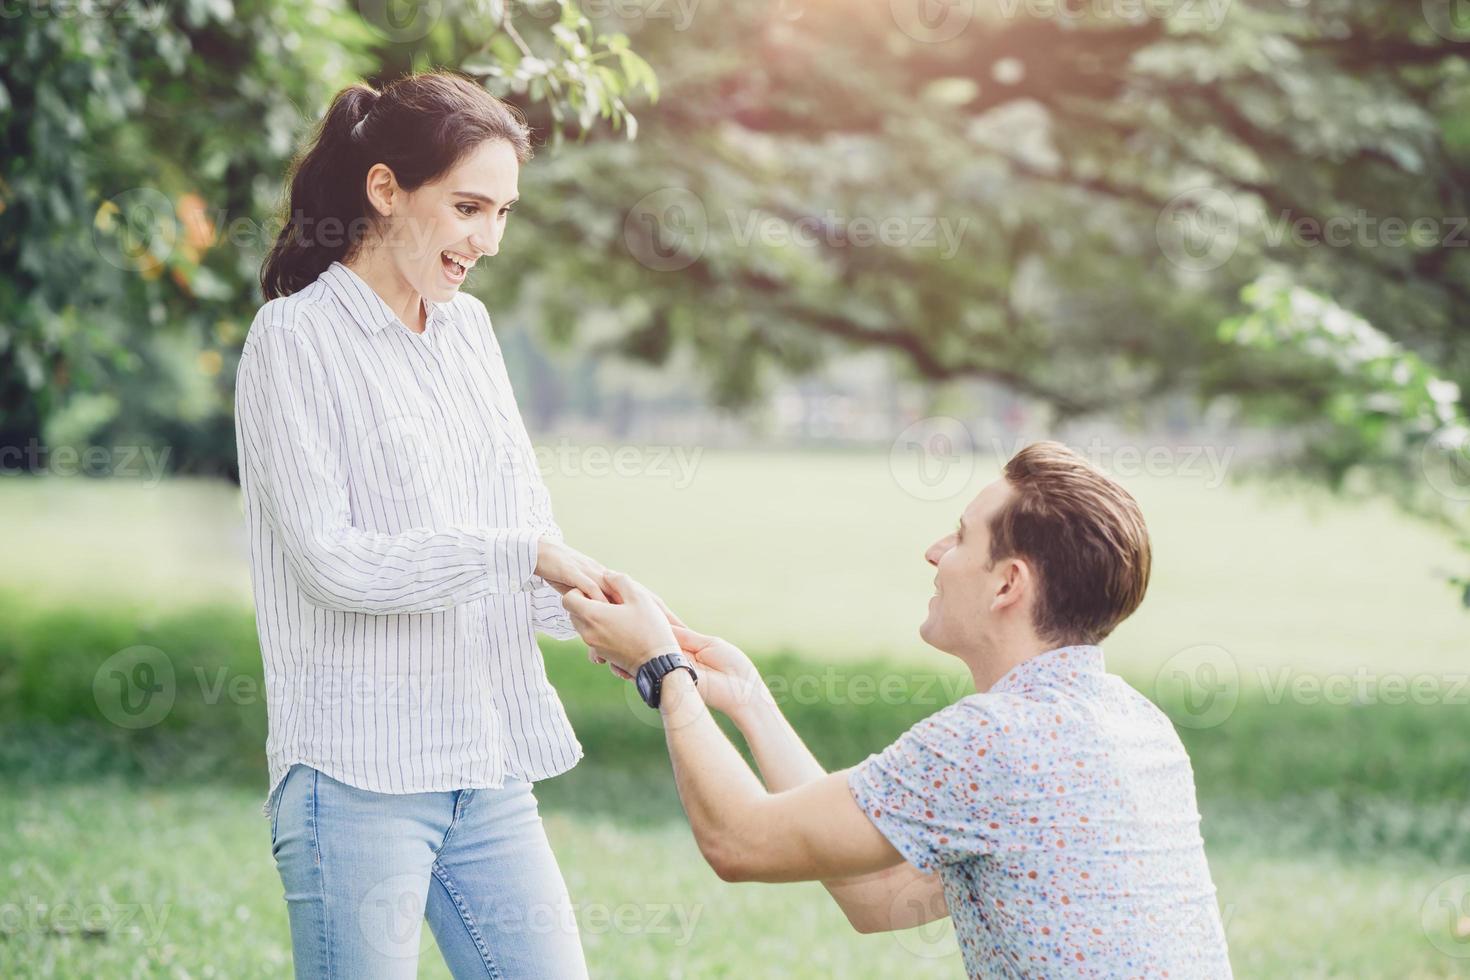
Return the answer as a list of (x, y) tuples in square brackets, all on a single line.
[(631, 628), (565, 568), (635, 626)]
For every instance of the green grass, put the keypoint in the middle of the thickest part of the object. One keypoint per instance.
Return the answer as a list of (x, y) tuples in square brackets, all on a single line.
[(1329, 822), (179, 881), (822, 553)]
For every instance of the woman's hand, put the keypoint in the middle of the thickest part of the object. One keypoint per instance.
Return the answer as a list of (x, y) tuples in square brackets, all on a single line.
[(629, 630), (728, 681), (565, 568)]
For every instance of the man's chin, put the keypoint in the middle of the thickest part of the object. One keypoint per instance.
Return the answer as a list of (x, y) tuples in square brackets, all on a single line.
[(928, 631)]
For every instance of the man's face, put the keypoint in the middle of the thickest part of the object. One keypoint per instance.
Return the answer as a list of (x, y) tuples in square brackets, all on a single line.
[(964, 583)]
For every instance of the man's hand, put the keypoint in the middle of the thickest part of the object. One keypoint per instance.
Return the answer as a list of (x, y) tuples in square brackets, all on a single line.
[(629, 630), (728, 681), (566, 569)]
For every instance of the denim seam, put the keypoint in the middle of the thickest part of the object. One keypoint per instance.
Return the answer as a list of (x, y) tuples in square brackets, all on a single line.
[(466, 917), (316, 846)]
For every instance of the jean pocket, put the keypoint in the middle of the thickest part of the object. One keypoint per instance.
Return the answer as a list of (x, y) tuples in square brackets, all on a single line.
[(275, 803)]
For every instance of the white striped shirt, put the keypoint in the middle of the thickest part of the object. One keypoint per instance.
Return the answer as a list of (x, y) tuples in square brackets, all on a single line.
[(393, 507)]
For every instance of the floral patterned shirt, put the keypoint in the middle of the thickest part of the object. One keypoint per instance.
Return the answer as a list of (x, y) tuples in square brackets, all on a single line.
[(1059, 809)]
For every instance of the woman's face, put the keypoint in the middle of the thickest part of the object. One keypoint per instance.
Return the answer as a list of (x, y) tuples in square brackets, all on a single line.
[(437, 232)]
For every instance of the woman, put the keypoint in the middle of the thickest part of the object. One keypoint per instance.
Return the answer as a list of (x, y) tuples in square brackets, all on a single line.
[(403, 554)]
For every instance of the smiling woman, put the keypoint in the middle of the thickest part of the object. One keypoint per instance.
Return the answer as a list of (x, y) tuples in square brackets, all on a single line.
[(361, 179), (403, 553)]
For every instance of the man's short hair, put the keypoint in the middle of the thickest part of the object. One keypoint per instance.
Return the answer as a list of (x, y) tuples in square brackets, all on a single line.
[(1084, 535)]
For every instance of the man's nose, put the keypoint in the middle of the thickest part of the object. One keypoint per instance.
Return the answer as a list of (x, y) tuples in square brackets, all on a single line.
[(936, 551)]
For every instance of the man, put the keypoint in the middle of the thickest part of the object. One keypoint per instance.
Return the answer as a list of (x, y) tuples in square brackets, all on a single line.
[(1052, 814)]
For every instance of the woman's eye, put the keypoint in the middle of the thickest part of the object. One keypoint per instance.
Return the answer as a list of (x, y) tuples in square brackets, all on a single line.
[(467, 209)]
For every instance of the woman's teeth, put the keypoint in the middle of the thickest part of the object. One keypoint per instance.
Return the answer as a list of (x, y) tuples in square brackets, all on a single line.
[(455, 265)]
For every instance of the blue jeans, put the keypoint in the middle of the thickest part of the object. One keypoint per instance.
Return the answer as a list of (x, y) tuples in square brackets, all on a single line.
[(362, 870)]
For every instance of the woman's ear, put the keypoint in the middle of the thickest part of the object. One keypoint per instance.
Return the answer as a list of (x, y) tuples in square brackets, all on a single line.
[(382, 189)]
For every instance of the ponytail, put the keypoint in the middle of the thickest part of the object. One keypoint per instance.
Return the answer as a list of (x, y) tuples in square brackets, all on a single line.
[(419, 127)]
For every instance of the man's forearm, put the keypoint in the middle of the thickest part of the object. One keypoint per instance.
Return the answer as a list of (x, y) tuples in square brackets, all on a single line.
[(716, 786), (785, 762), (781, 756)]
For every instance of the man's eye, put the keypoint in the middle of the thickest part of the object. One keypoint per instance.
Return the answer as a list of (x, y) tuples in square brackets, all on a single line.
[(506, 211)]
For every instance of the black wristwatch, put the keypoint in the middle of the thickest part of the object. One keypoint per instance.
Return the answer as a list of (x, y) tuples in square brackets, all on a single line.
[(651, 675)]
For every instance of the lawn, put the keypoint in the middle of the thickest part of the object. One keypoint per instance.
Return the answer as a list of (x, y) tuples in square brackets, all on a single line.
[(1337, 828)]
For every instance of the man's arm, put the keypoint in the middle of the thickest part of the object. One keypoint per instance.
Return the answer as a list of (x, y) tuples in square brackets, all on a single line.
[(811, 831), (808, 833), (895, 898)]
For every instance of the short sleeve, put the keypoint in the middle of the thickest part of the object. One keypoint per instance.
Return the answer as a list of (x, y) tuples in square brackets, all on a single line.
[(933, 792)]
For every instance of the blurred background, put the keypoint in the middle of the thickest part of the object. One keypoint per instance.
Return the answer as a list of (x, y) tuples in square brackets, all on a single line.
[(789, 281)]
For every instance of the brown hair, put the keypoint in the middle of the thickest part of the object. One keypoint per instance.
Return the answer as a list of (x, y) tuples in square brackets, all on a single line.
[(1085, 536), (420, 126)]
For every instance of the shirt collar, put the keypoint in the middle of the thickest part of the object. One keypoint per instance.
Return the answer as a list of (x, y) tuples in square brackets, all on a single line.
[(365, 306), (1055, 668)]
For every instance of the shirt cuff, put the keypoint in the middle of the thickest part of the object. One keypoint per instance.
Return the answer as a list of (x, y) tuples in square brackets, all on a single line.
[(511, 555)]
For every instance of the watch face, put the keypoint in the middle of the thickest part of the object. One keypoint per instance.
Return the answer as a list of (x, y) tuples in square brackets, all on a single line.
[(645, 685)]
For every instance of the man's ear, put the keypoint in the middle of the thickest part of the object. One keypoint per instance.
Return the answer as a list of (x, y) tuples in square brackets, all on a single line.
[(382, 188), (1014, 584)]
